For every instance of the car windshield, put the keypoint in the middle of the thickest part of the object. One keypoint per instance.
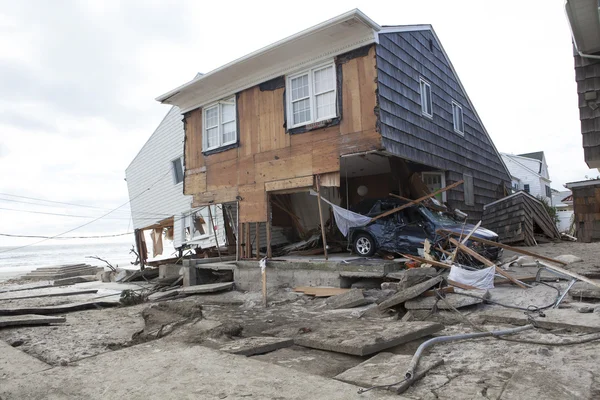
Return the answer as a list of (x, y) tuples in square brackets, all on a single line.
[(437, 216)]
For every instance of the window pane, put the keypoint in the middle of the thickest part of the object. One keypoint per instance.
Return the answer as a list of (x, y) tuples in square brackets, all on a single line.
[(227, 112), (212, 137), (301, 111), (178, 170), (326, 105), (300, 87), (428, 98), (461, 126), (229, 132), (324, 80), (212, 117)]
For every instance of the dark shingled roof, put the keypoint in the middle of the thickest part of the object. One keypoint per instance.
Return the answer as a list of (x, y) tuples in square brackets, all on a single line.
[(538, 155)]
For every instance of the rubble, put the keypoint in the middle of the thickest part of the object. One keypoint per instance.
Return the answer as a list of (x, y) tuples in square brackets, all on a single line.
[(451, 300), (410, 293), (350, 299), (256, 345)]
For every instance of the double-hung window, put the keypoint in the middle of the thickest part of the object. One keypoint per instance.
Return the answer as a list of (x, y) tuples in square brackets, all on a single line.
[(311, 96), (177, 167), (457, 118), (220, 128), (426, 102)]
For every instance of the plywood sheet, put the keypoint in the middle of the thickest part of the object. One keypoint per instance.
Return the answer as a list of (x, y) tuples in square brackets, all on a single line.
[(291, 183)]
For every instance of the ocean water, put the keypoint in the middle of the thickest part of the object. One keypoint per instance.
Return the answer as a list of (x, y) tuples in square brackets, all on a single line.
[(20, 261)]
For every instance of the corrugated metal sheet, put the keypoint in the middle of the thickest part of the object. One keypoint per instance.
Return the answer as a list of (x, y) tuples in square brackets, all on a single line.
[(402, 59)]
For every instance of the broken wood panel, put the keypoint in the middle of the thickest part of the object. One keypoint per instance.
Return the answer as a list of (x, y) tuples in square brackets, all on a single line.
[(193, 139), (222, 175), (248, 122), (265, 116), (367, 74), (325, 158), (194, 183), (253, 206), (351, 103), (305, 181), (246, 171), (224, 195), (331, 179), (296, 166)]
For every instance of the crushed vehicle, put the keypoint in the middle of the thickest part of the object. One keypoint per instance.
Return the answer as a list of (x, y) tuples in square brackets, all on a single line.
[(405, 231)]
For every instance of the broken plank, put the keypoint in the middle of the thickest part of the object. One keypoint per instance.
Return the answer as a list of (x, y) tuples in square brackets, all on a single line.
[(59, 309), (487, 262), (409, 293), (29, 319), (571, 274), (60, 294), (424, 261), (461, 285), (504, 246), (320, 291)]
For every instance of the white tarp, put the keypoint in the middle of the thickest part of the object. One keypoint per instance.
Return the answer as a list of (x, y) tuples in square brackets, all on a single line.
[(481, 278), (345, 219)]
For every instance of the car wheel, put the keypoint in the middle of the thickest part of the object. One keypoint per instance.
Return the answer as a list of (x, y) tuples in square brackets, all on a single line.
[(364, 245)]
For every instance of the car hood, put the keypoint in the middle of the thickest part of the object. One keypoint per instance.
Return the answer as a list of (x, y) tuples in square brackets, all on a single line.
[(465, 229)]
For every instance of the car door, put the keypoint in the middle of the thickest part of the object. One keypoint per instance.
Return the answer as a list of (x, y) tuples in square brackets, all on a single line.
[(410, 233)]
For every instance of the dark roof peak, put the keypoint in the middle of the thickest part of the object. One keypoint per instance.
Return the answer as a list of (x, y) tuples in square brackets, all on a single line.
[(538, 155)]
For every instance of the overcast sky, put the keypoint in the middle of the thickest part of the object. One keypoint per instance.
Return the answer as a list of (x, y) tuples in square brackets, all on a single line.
[(78, 81)]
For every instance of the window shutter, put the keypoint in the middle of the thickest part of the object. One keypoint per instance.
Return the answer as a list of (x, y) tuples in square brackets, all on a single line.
[(469, 190)]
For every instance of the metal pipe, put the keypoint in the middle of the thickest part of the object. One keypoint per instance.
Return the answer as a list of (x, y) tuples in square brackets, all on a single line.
[(410, 373)]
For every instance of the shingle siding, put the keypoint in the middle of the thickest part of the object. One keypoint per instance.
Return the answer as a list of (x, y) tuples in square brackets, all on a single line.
[(402, 59)]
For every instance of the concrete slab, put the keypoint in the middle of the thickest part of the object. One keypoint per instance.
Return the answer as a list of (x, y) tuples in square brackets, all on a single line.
[(163, 295), (350, 299), (30, 319), (75, 279), (454, 299), (583, 290), (536, 383), (383, 369), (567, 319), (311, 361), (256, 345), (410, 293), (209, 288), (58, 309), (361, 338), (15, 363), (177, 371)]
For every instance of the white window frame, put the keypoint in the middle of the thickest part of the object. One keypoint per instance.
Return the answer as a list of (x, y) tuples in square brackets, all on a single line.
[(424, 84), (311, 95), (442, 174), (174, 173), (220, 143), (457, 127)]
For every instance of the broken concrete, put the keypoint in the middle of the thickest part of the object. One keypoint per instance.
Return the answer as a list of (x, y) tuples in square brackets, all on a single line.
[(15, 363), (256, 345), (163, 295), (58, 309), (30, 319), (535, 383), (412, 276), (554, 319), (455, 300), (362, 338), (75, 279), (568, 258), (583, 290), (350, 299), (383, 369), (410, 293), (208, 288)]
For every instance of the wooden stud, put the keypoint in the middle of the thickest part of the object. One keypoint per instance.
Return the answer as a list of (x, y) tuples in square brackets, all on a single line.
[(263, 273), (238, 234), (268, 227), (257, 239), (321, 217), (248, 241)]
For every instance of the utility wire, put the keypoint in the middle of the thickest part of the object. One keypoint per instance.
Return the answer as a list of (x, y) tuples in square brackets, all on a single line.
[(39, 202), (92, 221), (66, 237), (70, 215)]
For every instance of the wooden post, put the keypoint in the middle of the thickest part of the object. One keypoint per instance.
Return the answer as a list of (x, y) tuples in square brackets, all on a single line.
[(257, 238), (321, 216), (238, 236), (263, 273), (248, 242), (140, 247), (212, 223), (268, 227)]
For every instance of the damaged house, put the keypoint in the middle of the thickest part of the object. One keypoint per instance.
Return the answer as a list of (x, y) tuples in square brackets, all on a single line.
[(530, 174), (348, 107)]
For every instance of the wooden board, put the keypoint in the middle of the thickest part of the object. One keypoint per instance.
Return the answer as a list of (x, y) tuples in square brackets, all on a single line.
[(29, 320), (292, 183), (320, 291)]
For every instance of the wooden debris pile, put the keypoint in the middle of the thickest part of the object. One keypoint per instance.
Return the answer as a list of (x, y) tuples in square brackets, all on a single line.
[(520, 218)]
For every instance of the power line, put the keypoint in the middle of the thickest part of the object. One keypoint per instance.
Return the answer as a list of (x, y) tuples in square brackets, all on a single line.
[(66, 237), (57, 203), (69, 215), (92, 221)]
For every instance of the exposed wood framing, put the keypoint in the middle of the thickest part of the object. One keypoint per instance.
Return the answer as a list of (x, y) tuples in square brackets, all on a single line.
[(323, 236)]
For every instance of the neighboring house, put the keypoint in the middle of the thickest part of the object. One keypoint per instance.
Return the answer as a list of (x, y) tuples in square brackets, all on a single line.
[(585, 27), (586, 209), (563, 201), (360, 109), (531, 172), (155, 184)]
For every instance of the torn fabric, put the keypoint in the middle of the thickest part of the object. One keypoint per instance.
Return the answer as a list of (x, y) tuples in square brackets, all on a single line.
[(157, 245), (481, 279), (345, 219)]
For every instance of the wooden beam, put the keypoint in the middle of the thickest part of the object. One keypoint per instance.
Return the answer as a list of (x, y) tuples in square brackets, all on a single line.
[(248, 241), (238, 234), (571, 274), (430, 206), (286, 184), (212, 224), (268, 227), (321, 216), (417, 201), (487, 262), (424, 261), (504, 246), (461, 285), (464, 241), (257, 237)]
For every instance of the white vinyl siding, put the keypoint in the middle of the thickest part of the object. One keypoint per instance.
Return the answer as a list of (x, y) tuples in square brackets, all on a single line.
[(311, 96), (457, 118), (426, 101), (220, 126), (526, 171)]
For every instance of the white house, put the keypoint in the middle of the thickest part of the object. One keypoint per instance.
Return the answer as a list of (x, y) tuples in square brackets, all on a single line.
[(155, 185), (563, 201), (530, 173)]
